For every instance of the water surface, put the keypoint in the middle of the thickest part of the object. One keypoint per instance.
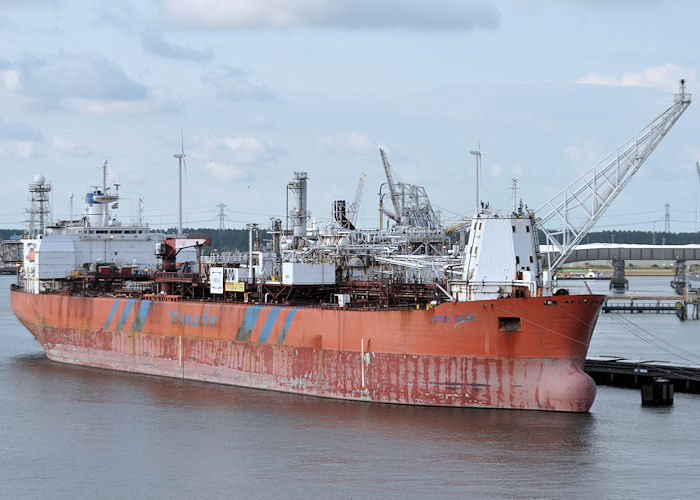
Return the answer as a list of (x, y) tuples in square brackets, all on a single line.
[(75, 432)]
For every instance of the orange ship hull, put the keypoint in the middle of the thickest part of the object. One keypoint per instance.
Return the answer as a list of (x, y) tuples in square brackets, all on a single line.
[(524, 353)]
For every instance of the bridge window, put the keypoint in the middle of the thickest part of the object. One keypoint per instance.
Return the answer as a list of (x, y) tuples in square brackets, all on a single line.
[(531, 261), (517, 259), (527, 228)]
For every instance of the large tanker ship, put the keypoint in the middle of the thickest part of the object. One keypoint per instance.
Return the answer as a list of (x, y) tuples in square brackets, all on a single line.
[(399, 314), (507, 353)]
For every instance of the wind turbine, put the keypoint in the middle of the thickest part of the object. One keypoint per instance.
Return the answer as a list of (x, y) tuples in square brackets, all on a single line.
[(180, 161)]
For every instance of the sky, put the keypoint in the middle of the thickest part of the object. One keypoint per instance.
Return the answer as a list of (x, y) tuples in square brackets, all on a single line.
[(257, 90)]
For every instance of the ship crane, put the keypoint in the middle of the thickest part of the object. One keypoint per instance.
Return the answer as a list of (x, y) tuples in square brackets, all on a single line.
[(396, 215), (169, 249), (458, 225), (577, 208)]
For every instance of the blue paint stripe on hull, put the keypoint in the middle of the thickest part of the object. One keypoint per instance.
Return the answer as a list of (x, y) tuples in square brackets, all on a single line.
[(142, 316), (112, 312), (287, 324), (269, 324), (248, 323), (125, 314)]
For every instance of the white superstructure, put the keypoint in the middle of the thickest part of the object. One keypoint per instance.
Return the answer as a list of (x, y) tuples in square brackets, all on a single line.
[(501, 257), (97, 239)]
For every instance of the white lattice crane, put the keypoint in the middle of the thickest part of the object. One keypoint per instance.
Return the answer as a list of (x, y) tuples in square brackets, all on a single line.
[(577, 208), (355, 206), (396, 215)]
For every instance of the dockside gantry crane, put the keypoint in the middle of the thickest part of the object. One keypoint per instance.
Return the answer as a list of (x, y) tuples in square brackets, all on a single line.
[(577, 208)]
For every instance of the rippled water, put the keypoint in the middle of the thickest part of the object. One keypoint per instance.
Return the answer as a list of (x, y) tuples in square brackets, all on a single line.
[(68, 432)]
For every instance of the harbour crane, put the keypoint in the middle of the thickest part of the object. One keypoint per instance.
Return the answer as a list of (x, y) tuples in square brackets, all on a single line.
[(346, 216), (412, 206), (577, 208), (355, 206), (396, 215)]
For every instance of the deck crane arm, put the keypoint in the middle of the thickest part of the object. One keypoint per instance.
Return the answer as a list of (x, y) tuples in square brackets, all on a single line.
[(355, 206), (168, 249), (458, 225), (577, 208), (392, 189)]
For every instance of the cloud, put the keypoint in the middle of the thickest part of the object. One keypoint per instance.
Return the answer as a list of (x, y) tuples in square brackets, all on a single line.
[(6, 24), (9, 79), (155, 44), (126, 17), (345, 14), (17, 150), (665, 76), (352, 143), (229, 84), (121, 107), (89, 76), (495, 170), (588, 152), (87, 83), (122, 15), (18, 141), (225, 172), (67, 146), (15, 131), (234, 158)]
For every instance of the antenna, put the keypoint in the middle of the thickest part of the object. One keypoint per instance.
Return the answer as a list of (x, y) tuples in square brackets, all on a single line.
[(477, 153), (140, 211), (180, 160), (514, 188), (41, 206), (104, 177)]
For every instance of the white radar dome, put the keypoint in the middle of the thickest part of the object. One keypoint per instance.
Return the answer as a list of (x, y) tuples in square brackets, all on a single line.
[(39, 179)]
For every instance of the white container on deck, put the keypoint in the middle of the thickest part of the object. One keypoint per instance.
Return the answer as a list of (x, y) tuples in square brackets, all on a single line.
[(302, 273)]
